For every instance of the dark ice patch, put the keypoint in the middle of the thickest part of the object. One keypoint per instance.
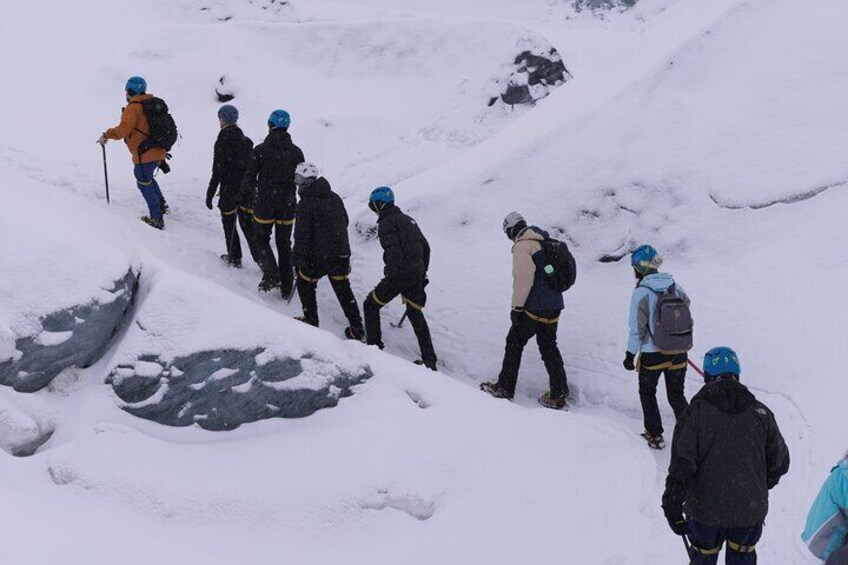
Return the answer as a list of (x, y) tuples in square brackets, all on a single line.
[(223, 389), (92, 326)]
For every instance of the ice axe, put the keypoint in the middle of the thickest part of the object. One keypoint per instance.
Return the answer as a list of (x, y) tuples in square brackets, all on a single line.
[(686, 543), (400, 322), (698, 370), (105, 172)]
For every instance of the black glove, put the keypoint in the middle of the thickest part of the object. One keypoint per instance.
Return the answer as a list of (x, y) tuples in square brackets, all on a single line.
[(629, 361), (678, 525), (516, 315), (209, 203)]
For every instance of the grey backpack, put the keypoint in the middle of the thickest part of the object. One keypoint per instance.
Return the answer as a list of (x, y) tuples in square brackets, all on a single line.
[(673, 325)]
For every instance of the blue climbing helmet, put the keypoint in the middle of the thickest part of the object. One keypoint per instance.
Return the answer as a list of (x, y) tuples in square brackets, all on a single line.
[(645, 259), (380, 197), (721, 361), (228, 113), (136, 86), (279, 119)]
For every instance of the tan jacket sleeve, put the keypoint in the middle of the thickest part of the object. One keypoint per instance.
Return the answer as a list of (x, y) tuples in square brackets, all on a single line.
[(523, 271), (129, 120)]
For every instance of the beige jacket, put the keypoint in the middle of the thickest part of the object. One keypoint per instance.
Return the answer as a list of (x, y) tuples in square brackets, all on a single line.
[(523, 267)]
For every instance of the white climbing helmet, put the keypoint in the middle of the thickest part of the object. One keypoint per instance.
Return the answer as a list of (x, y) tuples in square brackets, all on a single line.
[(306, 170), (512, 219)]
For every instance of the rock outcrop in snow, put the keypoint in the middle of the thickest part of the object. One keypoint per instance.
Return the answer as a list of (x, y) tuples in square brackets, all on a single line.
[(536, 73), (220, 390), (75, 336), (603, 4)]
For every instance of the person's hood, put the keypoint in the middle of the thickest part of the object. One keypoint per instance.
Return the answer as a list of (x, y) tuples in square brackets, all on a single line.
[(728, 395), (318, 188), (658, 282), (387, 210), (532, 233), (278, 135), (140, 98), (231, 130)]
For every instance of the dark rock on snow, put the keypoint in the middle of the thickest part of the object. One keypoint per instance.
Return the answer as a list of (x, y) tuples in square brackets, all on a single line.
[(224, 90), (534, 77), (77, 336), (603, 4), (220, 390)]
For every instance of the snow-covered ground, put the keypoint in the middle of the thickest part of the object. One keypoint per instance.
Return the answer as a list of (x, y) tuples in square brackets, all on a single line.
[(714, 130)]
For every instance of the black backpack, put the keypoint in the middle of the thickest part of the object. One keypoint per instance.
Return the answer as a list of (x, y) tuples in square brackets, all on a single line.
[(673, 324), (163, 129), (560, 262)]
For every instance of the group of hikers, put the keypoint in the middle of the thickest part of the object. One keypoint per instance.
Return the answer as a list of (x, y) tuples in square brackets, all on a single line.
[(727, 450)]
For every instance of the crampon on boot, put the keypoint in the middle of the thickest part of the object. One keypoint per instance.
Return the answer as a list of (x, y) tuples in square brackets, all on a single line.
[(553, 402), (164, 207), (654, 442), (429, 364), (235, 263), (306, 321), (355, 332), (495, 390), (268, 284), (153, 222)]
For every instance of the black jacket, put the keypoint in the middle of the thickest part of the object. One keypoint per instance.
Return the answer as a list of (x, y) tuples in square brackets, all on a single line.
[(268, 186), (406, 252), (727, 454), (321, 228), (232, 155)]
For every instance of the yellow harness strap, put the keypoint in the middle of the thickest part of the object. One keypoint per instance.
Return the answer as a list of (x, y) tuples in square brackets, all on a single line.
[(377, 300), (338, 277), (409, 302), (739, 548), (666, 366), (304, 277), (540, 319), (230, 213), (703, 551)]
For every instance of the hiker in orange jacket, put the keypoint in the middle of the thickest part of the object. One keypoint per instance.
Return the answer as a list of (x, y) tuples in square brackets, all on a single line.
[(134, 129)]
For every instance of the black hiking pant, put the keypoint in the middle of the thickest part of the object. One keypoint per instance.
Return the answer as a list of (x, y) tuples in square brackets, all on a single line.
[(651, 367), (524, 327), (338, 269), (231, 236), (277, 269), (707, 541), (411, 290)]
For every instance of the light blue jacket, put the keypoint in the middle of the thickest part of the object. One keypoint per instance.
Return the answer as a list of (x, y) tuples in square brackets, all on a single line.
[(827, 522), (642, 306)]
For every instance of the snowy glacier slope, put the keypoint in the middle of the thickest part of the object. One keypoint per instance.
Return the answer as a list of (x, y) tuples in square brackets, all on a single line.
[(714, 130)]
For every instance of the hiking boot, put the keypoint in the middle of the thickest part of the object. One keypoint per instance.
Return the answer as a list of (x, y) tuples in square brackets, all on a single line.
[(429, 364), (268, 284), (355, 332), (164, 207), (153, 222), (288, 293), (654, 441), (306, 321), (234, 263), (496, 390), (377, 344), (557, 402)]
